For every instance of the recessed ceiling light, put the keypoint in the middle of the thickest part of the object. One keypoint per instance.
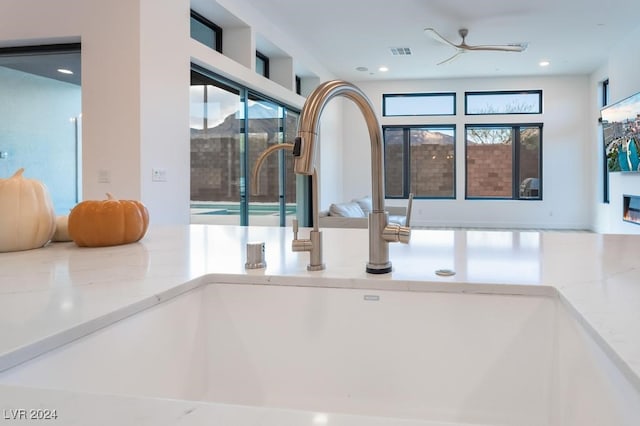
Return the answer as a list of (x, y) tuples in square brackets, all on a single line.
[(320, 419), (544, 63), (383, 69), (64, 71), (362, 69)]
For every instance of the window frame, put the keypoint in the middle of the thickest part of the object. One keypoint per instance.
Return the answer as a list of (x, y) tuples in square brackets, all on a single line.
[(406, 160), (605, 92), (498, 93), (265, 60), (452, 95), (217, 30), (298, 80), (515, 169), (604, 101)]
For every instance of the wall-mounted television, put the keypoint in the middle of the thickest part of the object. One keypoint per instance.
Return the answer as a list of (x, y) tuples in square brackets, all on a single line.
[(621, 131)]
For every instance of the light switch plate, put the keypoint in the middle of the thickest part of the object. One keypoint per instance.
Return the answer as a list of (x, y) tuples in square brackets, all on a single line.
[(104, 176), (159, 175)]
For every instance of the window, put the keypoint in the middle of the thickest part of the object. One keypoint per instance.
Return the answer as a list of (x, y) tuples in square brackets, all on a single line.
[(230, 127), (507, 102), (421, 160), (504, 161), (605, 93), (262, 64), (418, 104), (298, 85), (205, 31), (604, 101)]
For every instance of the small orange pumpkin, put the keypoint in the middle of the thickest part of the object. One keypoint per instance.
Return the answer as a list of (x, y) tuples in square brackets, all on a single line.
[(109, 222)]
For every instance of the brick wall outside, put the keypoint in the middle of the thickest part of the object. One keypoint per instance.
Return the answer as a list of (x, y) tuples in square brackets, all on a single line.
[(432, 173), (489, 167), (432, 170), (529, 162), (393, 169), (215, 170), (489, 170)]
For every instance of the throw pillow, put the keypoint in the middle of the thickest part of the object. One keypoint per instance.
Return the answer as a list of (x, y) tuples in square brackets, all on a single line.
[(351, 209), (365, 204)]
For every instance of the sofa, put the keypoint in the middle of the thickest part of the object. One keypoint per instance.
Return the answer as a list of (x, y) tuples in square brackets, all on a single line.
[(355, 214)]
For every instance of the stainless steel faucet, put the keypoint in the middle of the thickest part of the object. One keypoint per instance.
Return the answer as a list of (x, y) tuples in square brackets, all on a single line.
[(313, 244), (381, 233)]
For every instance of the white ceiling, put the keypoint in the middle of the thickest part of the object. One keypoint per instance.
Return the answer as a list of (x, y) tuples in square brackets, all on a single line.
[(46, 65), (574, 35)]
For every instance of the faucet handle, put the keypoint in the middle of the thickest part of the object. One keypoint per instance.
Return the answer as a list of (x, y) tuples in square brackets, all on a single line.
[(404, 234), (407, 221), (394, 233)]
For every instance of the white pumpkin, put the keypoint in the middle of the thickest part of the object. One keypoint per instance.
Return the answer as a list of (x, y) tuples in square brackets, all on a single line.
[(62, 229), (27, 218)]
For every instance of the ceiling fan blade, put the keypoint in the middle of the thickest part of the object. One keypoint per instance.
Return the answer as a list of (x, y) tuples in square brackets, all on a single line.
[(437, 37), (452, 58), (521, 47), (464, 47)]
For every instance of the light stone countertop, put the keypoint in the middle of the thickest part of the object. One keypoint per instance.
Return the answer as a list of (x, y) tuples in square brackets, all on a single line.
[(52, 295)]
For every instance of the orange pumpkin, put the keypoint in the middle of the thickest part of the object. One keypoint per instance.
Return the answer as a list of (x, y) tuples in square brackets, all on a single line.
[(108, 222)]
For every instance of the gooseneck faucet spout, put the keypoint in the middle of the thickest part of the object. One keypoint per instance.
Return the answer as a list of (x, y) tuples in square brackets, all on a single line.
[(305, 150)]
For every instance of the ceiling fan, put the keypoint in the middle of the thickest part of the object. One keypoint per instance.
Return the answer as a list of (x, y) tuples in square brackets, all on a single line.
[(463, 47)]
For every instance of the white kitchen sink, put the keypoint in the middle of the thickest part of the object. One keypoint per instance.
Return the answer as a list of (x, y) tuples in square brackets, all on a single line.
[(444, 357)]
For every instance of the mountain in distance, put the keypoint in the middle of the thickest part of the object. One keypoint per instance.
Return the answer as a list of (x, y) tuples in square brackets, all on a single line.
[(420, 137), (262, 119)]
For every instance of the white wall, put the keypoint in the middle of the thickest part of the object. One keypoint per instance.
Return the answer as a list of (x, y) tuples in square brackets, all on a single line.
[(565, 162), (164, 108), (624, 80), (331, 143)]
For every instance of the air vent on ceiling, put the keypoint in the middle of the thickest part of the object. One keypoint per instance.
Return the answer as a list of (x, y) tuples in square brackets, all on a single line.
[(400, 51)]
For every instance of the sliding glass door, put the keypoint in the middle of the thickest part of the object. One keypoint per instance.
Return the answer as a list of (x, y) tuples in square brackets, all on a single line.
[(274, 197), (230, 128), (217, 139)]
